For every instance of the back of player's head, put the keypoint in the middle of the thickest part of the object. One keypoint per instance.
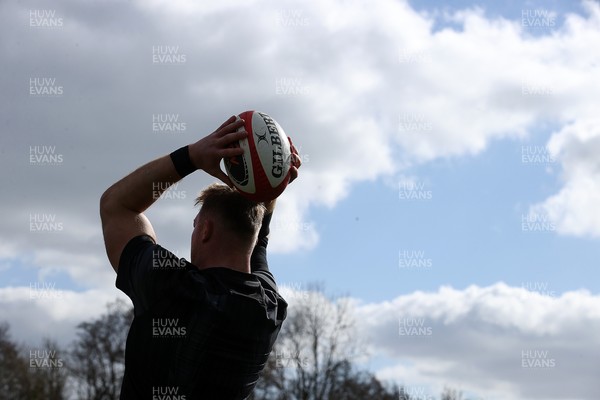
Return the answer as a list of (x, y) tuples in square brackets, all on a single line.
[(238, 216)]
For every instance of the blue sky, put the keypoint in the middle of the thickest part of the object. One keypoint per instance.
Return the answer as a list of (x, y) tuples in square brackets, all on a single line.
[(471, 229), (508, 9), (386, 104)]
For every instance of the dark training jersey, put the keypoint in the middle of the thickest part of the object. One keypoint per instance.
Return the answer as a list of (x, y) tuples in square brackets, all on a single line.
[(196, 334)]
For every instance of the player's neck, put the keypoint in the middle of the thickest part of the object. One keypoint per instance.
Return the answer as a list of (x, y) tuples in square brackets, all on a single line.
[(225, 259)]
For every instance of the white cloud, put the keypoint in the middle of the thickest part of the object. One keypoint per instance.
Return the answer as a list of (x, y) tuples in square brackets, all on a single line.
[(287, 231), (44, 310), (574, 209), (474, 339)]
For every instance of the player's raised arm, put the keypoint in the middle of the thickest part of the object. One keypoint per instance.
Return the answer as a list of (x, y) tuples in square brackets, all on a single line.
[(122, 205), (258, 260)]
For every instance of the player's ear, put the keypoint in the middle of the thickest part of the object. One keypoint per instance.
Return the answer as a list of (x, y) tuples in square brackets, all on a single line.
[(207, 230)]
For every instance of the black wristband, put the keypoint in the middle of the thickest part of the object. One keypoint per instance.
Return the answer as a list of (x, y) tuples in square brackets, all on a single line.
[(182, 162)]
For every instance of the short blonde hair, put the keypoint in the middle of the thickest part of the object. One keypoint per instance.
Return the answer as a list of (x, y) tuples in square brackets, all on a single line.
[(239, 216)]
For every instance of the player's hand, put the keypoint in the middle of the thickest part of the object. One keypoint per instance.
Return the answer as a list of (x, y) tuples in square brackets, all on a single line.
[(207, 153), (295, 161)]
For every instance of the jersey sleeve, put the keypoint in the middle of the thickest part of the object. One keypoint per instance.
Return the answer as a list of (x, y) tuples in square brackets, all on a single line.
[(147, 271), (258, 260)]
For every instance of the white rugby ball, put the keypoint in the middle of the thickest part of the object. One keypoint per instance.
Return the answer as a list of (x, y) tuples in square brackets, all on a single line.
[(262, 172)]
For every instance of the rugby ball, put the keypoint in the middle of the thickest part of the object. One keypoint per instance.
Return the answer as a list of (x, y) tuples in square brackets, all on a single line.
[(262, 172)]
